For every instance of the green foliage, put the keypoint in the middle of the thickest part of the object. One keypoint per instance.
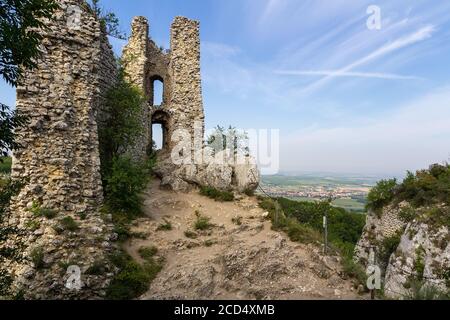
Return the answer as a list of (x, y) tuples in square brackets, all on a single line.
[(123, 125), (32, 225), (5, 283), (166, 226), (237, 221), (228, 139), (10, 121), (303, 222), (147, 253), (419, 264), (66, 224), (5, 165), (421, 291), (108, 20), (222, 196), (8, 189), (38, 211), (354, 270), (133, 279), (37, 257), (96, 269), (388, 246), (124, 184), (20, 24), (343, 226), (380, 195), (436, 217), (407, 214), (202, 222), (424, 188)]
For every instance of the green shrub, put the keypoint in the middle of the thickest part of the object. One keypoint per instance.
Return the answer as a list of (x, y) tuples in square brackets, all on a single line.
[(298, 232), (222, 196), (38, 211), (424, 188), (68, 224), (96, 269), (5, 165), (237, 221), (123, 125), (133, 278), (388, 246), (407, 214), (166, 226), (202, 222), (37, 257), (124, 184), (209, 243), (147, 253), (381, 195), (32, 225), (6, 281), (354, 270)]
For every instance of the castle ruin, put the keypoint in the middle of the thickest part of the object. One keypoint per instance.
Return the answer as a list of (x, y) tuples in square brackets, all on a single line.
[(60, 160)]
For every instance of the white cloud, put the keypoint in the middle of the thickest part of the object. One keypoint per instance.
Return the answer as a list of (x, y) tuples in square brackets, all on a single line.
[(420, 35), (338, 73)]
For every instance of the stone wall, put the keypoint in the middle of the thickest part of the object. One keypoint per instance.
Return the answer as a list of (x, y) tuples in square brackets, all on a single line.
[(60, 162), (181, 113)]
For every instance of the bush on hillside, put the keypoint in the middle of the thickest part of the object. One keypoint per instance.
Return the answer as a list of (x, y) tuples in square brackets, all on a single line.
[(381, 195), (424, 188)]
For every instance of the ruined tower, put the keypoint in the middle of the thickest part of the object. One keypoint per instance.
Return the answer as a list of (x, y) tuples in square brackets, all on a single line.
[(59, 161), (181, 112), (177, 68)]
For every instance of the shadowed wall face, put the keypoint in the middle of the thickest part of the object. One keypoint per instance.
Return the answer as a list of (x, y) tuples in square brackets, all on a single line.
[(59, 161)]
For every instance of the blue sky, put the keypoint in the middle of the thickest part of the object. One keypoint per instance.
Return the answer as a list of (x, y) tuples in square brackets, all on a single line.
[(346, 98)]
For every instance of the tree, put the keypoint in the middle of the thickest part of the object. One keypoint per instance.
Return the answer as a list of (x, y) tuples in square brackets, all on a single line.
[(230, 139), (122, 126), (20, 23), (108, 19)]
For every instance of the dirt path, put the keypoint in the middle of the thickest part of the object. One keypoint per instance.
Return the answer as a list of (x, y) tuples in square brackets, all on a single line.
[(230, 261)]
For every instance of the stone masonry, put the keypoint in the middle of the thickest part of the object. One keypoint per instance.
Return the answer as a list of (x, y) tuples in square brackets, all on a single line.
[(181, 113), (60, 162), (57, 213)]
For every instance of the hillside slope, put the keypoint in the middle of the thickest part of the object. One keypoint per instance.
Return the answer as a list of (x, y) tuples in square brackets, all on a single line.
[(240, 259)]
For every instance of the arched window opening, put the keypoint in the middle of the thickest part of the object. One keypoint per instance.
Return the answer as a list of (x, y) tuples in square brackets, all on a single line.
[(158, 92), (157, 136)]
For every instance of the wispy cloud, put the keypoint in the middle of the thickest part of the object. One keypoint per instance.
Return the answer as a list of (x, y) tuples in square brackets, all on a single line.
[(418, 36), (339, 73)]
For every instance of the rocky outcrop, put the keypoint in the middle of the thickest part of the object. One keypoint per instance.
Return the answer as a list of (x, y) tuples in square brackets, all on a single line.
[(379, 226), (240, 175), (421, 261)]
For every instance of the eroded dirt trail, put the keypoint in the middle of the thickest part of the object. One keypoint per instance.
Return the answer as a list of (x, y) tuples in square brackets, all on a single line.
[(230, 261)]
